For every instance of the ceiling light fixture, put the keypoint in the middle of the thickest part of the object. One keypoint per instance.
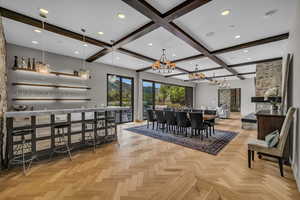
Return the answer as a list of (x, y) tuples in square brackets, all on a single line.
[(37, 31), (225, 12), (237, 37), (43, 12), (121, 16), (249, 58), (76, 52), (150, 44), (197, 75), (100, 33), (41, 66), (246, 51), (83, 72), (35, 42), (163, 65)]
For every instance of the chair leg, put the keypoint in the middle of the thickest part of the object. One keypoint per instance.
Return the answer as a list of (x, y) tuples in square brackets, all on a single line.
[(252, 155), (280, 166), (147, 124), (153, 125), (249, 158)]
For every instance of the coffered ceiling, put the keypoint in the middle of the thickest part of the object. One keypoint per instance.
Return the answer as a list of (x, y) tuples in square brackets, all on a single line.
[(247, 21)]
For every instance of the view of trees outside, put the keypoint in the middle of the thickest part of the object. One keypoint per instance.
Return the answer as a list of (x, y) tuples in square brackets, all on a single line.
[(165, 96), (169, 96), (119, 93)]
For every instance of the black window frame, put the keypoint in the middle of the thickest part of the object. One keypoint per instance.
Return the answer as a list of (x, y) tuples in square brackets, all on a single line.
[(120, 92), (154, 95)]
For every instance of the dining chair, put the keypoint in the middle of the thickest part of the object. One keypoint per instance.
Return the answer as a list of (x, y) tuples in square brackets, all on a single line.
[(261, 146), (198, 125), (150, 118), (183, 122), (171, 120), (160, 120)]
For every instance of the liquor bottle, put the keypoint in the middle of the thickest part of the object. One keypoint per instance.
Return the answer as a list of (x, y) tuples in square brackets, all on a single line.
[(23, 63), (29, 64), (16, 62), (33, 64)]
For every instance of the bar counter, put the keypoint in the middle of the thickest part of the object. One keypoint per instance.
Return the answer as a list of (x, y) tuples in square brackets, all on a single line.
[(42, 123)]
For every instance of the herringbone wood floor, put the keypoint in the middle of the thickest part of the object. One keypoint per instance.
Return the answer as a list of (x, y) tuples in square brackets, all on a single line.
[(146, 168)]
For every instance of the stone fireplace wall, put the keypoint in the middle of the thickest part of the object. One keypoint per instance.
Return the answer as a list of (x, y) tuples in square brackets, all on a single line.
[(3, 92), (268, 75)]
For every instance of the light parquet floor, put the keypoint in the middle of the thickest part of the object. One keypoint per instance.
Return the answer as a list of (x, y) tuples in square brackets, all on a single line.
[(145, 168)]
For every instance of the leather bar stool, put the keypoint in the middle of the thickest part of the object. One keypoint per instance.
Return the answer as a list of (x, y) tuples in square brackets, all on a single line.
[(23, 150), (61, 145)]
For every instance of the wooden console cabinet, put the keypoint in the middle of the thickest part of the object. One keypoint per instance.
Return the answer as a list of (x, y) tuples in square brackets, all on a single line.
[(268, 122)]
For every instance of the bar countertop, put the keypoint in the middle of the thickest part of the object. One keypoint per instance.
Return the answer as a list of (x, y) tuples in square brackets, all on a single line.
[(270, 113), (63, 111)]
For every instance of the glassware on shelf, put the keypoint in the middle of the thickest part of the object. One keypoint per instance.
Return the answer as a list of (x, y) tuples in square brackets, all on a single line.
[(28, 64), (23, 63), (33, 64)]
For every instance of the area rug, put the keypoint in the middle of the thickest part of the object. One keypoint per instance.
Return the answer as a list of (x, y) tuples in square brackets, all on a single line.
[(212, 145)]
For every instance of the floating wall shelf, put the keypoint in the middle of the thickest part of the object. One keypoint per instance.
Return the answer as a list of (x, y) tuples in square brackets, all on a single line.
[(53, 72), (48, 99), (51, 86)]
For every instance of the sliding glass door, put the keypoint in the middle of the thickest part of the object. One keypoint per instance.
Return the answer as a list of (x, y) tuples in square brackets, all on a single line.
[(120, 93), (148, 96), (160, 95)]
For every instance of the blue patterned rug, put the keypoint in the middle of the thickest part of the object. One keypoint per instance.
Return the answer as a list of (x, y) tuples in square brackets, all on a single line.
[(212, 145)]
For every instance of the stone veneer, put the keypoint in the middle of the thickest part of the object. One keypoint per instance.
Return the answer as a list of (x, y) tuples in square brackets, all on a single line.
[(3, 92), (268, 75)]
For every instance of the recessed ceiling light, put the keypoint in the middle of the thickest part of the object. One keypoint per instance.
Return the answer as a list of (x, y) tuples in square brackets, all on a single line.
[(246, 51), (76, 52), (237, 37), (35, 42), (150, 44), (100, 33), (249, 58), (225, 12), (85, 45), (44, 11), (37, 31), (121, 16)]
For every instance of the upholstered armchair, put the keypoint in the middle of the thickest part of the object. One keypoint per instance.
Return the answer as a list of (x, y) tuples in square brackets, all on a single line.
[(261, 147), (223, 112)]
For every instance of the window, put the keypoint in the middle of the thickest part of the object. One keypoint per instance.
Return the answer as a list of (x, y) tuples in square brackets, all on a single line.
[(160, 95), (120, 93)]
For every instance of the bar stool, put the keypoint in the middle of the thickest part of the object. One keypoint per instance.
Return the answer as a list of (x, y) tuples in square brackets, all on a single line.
[(22, 150), (111, 124), (61, 145), (91, 139)]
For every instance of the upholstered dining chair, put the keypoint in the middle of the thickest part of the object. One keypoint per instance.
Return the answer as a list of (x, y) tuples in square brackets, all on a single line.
[(261, 147)]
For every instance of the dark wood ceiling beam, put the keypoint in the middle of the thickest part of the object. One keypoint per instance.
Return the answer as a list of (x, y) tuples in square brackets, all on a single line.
[(253, 43), (146, 9), (230, 66), (238, 47), (178, 11), (151, 26), (135, 55), (222, 76), (255, 62), (49, 27), (98, 55), (183, 8), (198, 71)]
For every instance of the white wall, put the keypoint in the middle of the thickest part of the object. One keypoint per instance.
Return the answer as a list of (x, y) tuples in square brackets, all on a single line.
[(294, 48), (207, 95), (98, 82)]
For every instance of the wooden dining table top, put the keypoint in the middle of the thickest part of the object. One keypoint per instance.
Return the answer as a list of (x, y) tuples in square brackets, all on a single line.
[(209, 117)]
